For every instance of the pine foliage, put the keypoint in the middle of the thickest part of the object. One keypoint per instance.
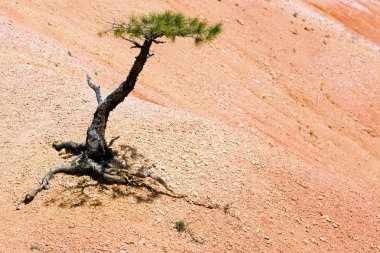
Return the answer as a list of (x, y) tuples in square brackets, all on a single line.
[(167, 24)]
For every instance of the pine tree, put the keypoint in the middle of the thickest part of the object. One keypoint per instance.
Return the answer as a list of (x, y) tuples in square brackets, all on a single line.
[(142, 32)]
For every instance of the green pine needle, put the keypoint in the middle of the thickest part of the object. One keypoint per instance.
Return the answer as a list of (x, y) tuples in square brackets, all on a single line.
[(167, 24)]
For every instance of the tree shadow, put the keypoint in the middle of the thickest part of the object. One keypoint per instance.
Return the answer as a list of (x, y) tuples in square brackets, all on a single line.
[(92, 190)]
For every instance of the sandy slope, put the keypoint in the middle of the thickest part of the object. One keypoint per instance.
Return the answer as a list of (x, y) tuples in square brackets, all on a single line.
[(362, 16), (277, 119)]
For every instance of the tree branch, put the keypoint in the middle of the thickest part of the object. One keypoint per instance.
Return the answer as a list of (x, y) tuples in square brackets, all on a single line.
[(96, 89), (158, 41), (135, 44)]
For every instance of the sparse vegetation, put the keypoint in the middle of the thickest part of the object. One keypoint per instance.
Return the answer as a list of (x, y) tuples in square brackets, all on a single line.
[(180, 225)]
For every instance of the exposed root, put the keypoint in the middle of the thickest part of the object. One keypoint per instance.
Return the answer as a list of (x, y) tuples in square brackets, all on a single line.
[(86, 166), (182, 196), (131, 169), (45, 181), (124, 176), (70, 147)]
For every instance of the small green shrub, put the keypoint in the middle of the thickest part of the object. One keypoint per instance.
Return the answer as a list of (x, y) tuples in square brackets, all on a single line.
[(180, 225)]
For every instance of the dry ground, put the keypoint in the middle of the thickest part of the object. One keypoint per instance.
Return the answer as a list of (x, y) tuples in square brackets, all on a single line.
[(277, 121)]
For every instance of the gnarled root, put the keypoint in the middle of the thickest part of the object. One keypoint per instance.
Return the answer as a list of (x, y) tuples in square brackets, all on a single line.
[(124, 176), (116, 174), (87, 166), (45, 181), (70, 147)]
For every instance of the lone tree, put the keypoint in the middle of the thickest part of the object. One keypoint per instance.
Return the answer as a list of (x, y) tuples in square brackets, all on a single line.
[(94, 154)]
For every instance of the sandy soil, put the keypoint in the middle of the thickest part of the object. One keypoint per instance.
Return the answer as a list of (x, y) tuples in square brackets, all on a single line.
[(277, 121), (361, 16)]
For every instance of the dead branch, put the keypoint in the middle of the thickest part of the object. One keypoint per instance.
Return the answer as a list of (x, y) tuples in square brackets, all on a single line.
[(135, 43), (96, 89), (158, 41)]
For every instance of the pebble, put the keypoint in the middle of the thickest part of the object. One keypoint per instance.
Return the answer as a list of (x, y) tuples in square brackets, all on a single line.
[(327, 218), (254, 162), (240, 22)]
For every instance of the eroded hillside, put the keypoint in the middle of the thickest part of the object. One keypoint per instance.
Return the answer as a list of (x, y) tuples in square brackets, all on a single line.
[(277, 120)]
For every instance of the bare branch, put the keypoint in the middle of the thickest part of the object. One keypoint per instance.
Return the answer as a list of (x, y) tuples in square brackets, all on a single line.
[(135, 43), (158, 41), (96, 89)]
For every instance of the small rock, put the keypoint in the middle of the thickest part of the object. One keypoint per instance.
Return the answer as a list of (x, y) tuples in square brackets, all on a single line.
[(322, 239), (240, 22), (266, 237), (327, 218), (141, 242), (254, 163)]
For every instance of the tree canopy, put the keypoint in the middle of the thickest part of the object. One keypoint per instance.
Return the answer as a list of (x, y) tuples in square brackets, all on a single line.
[(167, 24)]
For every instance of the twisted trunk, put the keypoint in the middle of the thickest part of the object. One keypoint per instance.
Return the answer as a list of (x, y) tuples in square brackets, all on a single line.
[(96, 145)]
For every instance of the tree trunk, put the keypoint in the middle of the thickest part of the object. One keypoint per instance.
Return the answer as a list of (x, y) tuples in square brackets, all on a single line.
[(96, 145)]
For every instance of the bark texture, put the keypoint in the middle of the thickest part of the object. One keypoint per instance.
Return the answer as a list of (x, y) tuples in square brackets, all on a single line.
[(96, 145)]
